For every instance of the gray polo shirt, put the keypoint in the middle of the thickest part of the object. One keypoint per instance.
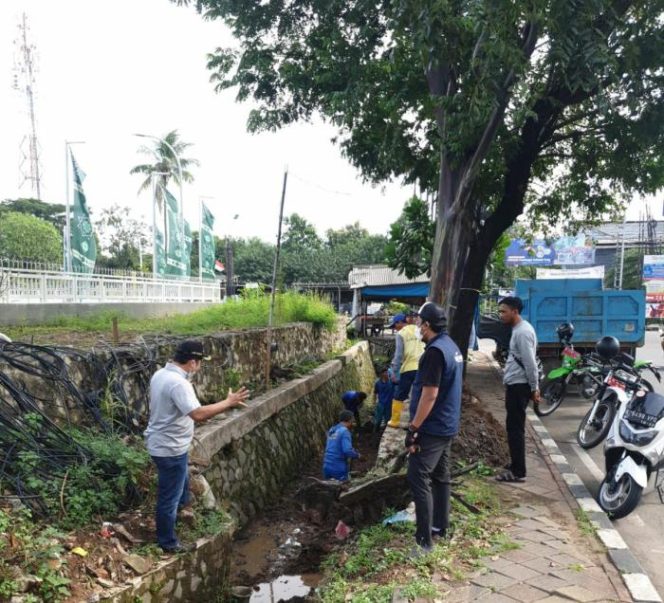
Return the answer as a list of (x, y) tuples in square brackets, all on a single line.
[(172, 397)]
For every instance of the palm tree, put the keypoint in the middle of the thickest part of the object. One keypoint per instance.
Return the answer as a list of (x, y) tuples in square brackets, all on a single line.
[(165, 167), (165, 164)]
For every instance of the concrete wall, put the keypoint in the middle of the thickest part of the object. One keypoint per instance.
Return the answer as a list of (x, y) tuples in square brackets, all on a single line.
[(23, 314), (248, 457)]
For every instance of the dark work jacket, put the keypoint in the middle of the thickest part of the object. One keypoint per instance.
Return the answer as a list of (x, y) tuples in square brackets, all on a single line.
[(443, 420)]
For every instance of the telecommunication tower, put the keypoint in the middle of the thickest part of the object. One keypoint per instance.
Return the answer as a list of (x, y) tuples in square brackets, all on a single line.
[(25, 70)]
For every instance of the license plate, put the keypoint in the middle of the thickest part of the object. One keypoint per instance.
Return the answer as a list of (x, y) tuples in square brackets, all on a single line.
[(640, 418)]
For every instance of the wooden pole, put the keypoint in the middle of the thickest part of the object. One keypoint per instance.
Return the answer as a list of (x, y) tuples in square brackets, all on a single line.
[(116, 333), (268, 346)]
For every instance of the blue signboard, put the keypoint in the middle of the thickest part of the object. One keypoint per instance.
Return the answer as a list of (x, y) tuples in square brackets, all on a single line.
[(522, 253), (653, 267)]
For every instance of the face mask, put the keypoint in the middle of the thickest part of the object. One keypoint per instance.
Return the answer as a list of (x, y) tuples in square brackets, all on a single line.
[(418, 333)]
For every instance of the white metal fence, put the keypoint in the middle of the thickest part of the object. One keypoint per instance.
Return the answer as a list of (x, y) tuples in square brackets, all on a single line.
[(39, 287)]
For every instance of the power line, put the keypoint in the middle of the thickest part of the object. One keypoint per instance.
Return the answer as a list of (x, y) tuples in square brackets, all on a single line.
[(318, 186)]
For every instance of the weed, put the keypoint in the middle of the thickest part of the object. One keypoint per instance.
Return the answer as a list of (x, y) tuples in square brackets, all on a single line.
[(576, 567), (584, 523), (208, 523), (251, 311), (100, 485), (376, 561), (25, 545)]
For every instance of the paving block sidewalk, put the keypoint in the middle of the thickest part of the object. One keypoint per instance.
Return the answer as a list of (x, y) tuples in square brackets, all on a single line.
[(556, 560)]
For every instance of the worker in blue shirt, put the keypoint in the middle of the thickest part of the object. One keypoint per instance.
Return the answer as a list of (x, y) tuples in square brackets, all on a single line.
[(352, 401), (339, 449), (383, 393)]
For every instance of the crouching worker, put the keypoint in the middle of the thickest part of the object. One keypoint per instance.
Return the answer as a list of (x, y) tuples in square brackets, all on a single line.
[(339, 449), (352, 401)]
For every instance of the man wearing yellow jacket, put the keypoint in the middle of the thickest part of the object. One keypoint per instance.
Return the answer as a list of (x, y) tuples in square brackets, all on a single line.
[(409, 348)]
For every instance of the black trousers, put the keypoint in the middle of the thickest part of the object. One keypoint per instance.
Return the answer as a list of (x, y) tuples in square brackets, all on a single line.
[(517, 397), (429, 479)]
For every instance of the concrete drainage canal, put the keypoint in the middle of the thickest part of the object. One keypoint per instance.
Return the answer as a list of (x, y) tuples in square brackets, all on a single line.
[(278, 555)]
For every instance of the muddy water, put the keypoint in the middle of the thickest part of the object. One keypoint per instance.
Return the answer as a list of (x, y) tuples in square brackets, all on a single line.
[(279, 553)]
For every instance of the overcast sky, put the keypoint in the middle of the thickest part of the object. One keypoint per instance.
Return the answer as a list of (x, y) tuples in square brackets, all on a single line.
[(109, 69)]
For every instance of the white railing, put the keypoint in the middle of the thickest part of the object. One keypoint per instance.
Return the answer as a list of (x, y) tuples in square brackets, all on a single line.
[(40, 287)]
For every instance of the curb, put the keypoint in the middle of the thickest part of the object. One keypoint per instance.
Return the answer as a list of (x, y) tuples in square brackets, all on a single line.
[(636, 579)]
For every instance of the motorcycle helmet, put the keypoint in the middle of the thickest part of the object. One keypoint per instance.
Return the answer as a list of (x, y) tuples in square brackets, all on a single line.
[(608, 347), (565, 331)]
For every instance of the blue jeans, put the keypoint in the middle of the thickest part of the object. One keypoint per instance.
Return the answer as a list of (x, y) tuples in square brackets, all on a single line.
[(405, 383), (172, 492)]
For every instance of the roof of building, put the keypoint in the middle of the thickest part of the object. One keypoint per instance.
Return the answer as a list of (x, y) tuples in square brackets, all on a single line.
[(611, 233), (379, 274)]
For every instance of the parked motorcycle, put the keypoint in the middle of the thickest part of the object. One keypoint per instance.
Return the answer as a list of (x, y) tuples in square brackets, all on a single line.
[(633, 449), (576, 369), (620, 381)]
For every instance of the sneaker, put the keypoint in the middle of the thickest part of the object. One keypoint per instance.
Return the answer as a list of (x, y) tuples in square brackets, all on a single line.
[(179, 548)]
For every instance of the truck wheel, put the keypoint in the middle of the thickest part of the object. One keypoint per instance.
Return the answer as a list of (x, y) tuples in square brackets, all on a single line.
[(588, 435), (619, 499), (553, 393)]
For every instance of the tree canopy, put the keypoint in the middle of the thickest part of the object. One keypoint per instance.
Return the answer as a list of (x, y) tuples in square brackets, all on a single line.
[(51, 212), (123, 240), (554, 105), (25, 237)]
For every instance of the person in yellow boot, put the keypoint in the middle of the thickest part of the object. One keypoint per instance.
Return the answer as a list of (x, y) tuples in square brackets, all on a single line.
[(409, 348)]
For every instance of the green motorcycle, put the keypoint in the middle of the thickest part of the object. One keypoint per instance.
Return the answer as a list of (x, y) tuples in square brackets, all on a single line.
[(584, 370)]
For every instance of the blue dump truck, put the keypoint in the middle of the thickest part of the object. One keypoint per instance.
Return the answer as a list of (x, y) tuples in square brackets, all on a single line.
[(592, 310)]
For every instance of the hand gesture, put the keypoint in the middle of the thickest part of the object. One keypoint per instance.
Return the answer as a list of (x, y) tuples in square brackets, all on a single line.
[(237, 398)]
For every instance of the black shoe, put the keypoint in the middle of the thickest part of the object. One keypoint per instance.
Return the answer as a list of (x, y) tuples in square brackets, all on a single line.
[(179, 548)]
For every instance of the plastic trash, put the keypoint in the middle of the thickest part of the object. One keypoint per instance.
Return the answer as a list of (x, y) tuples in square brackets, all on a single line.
[(342, 531), (404, 516)]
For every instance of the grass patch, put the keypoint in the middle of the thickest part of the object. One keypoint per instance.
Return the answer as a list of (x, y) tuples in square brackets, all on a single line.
[(584, 523), (377, 561), (251, 311)]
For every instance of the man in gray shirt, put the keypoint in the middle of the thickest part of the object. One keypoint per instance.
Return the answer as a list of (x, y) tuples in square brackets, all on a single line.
[(521, 379), (174, 408)]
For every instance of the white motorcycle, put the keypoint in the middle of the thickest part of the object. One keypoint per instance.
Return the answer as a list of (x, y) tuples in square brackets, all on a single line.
[(633, 450)]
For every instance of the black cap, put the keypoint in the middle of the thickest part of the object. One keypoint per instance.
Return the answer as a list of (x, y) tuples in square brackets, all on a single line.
[(190, 349), (433, 314)]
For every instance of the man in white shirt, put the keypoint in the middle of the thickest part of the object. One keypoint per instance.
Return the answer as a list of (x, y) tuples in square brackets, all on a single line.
[(174, 408)]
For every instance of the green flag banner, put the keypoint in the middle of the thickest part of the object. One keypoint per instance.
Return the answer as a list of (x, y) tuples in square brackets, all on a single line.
[(82, 244), (206, 243), (159, 246), (188, 241), (176, 261)]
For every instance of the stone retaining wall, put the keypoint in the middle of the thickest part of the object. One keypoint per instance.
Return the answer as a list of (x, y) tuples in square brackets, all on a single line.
[(248, 456), (237, 357)]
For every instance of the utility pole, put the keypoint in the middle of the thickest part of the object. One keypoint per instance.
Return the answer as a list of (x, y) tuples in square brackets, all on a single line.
[(24, 81), (268, 354)]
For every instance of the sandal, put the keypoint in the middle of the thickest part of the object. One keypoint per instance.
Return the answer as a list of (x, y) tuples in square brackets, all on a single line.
[(508, 476)]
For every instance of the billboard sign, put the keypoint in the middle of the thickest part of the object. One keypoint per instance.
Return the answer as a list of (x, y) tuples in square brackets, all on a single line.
[(574, 251), (522, 253)]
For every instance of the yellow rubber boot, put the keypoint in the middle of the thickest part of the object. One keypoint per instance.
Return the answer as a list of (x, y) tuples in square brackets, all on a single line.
[(397, 407)]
